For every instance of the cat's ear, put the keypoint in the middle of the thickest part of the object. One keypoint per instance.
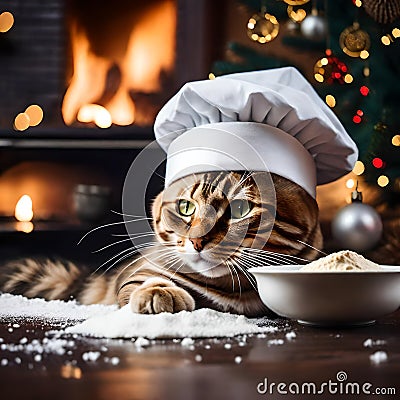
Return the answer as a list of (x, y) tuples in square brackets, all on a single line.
[(156, 207)]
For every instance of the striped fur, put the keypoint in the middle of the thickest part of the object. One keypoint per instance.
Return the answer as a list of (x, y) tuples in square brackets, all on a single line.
[(199, 260)]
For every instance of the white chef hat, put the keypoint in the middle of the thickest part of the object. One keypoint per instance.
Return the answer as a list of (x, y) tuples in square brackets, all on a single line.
[(269, 120)]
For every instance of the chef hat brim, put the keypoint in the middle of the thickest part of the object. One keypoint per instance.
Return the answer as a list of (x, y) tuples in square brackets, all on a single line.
[(281, 98)]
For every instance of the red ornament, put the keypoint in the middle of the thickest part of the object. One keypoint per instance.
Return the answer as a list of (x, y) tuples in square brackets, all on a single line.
[(330, 69), (364, 90), (378, 162), (360, 113), (356, 119)]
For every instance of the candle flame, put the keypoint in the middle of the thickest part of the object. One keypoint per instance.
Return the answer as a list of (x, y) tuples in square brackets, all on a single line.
[(23, 209)]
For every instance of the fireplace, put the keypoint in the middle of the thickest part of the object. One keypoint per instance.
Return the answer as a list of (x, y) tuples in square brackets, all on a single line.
[(122, 54), (101, 63), (81, 83)]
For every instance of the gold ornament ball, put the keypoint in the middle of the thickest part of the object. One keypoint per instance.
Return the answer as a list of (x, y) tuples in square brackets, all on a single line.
[(353, 41), (262, 28)]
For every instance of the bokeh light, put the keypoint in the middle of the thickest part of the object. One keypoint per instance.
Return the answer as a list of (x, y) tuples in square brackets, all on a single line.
[(348, 78), (35, 114), (383, 181), (350, 183), (378, 162), (364, 90), (330, 100), (21, 122), (359, 168), (385, 39), (396, 140), (6, 21)]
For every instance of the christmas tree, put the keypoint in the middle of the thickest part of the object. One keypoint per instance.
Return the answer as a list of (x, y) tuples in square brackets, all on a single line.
[(354, 49)]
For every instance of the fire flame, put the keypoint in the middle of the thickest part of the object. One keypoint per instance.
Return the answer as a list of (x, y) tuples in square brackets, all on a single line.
[(23, 209), (149, 53)]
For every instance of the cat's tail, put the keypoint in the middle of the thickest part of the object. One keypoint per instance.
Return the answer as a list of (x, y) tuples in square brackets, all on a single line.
[(54, 280)]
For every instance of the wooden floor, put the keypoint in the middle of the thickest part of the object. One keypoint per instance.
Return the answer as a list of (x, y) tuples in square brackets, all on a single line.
[(206, 369)]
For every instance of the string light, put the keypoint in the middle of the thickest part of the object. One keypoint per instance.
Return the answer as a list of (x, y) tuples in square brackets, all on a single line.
[(359, 168), (296, 15), (330, 69), (364, 90), (378, 162), (211, 76), (358, 117), (350, 183), (330, 100), (396, 33), (386, 40), (348, 78), (383, 181), (396, 140)]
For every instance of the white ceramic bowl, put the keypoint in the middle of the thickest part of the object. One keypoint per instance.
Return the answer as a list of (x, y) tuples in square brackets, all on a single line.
[(329, 298)]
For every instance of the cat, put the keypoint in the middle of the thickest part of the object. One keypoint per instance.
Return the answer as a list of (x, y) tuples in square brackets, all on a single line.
[(208, 233)]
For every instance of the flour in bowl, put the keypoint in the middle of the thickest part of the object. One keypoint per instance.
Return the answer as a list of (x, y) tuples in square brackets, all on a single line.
[(344, 260)]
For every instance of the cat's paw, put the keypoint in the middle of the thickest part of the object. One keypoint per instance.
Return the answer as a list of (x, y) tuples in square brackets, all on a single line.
[(158, 295)]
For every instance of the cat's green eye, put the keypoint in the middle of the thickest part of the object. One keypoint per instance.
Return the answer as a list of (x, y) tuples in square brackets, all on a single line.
[(186, 207), (240, 208)]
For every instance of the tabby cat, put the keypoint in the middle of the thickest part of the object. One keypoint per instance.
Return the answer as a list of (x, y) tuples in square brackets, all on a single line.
[(208, 232)]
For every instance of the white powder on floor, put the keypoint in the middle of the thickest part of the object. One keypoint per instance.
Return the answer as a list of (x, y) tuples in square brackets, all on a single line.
[(55, 310), (378, 357), (111, 322), (291, 335), (205, 322), (344, 260), (371, 343)]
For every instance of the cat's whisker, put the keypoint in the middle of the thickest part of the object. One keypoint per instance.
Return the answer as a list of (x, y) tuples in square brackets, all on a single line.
[(176, 269), (278, 255), (238, 278), (131, 235), (243, 178), (171, 255), (140, 258), (107, 225), (132, 251), (145, 246), (265, 259), (249, 277), (119, 260), (129, 250), (142, 217), (160, 176), (123, 241), (312, 247), (227, 264)]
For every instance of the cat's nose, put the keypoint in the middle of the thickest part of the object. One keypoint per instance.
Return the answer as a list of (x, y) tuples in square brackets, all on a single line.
[(198, 243)]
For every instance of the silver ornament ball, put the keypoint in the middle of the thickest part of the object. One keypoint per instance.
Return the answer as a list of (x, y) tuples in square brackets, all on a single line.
[(314, 27), (357, 227)]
